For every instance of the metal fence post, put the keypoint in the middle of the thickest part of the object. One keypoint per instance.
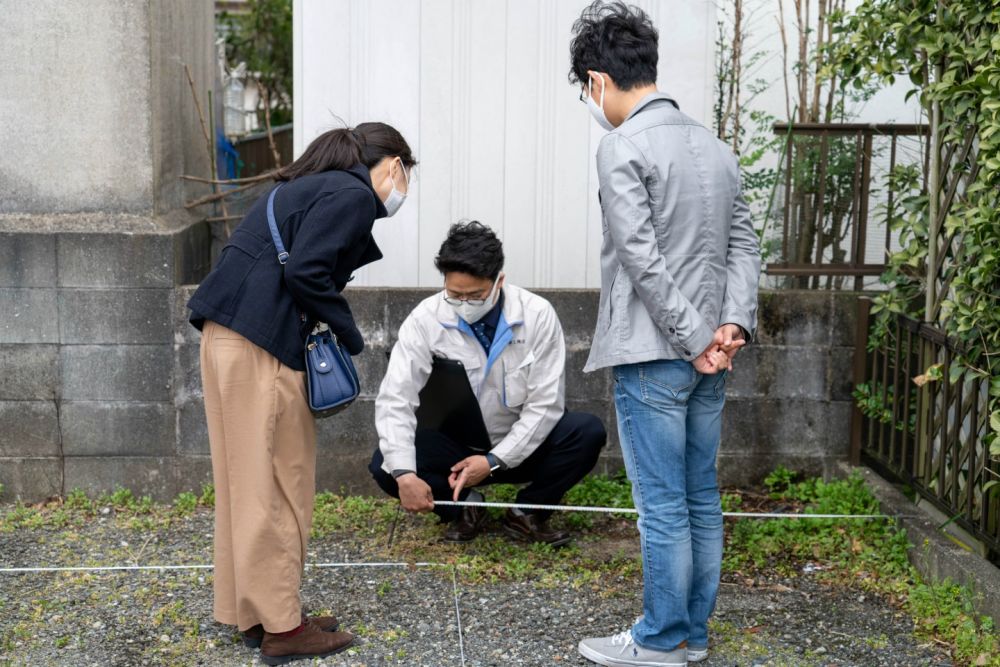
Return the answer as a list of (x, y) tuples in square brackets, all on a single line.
[(860, 374)]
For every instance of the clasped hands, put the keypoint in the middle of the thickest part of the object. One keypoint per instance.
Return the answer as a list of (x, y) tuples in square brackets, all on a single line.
[(718, 356), (415, 494)]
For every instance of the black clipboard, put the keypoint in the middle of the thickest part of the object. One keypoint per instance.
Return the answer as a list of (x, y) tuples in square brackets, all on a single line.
[(448, 405)]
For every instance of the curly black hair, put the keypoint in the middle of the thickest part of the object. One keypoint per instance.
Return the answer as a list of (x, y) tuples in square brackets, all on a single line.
[(615, 38), (472, 248)]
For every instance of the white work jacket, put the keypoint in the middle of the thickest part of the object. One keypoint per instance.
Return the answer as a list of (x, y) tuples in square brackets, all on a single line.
[(520, 384)]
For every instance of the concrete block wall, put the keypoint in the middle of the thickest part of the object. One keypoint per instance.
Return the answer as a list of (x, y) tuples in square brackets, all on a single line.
[(788, 397), (101, 382), (87, 389)]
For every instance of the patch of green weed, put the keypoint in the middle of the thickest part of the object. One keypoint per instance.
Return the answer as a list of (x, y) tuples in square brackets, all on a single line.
[(185, 503), (207, 498), (945, 610), (599, 491), (870, 554), (360, 515)]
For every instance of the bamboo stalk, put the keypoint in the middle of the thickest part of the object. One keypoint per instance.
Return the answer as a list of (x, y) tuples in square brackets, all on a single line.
[(230, 181), (215, 166), (784, 59), (216, 196), (737, 71), (201, 114), (820, 21), (267, 125)]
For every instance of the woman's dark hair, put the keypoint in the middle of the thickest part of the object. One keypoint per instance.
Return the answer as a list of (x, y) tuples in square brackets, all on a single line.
[(615, 38), (342, 148), (472, 248)]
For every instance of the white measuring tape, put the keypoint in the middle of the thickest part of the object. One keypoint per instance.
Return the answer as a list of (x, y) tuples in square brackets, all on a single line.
[(632, 510)]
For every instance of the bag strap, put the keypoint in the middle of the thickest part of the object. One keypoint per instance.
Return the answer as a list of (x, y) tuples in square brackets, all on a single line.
[(275, 235)]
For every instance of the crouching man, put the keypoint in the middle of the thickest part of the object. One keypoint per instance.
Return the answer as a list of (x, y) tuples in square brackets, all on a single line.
[(510, 343)]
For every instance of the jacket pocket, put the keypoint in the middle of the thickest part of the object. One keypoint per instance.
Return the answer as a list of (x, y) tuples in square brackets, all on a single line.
[(237, 261), (621, 296), (515, 385), (612, 305)]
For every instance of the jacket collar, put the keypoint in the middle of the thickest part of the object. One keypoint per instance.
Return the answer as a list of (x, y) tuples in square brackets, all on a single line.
[(650, 99), (362, 173)]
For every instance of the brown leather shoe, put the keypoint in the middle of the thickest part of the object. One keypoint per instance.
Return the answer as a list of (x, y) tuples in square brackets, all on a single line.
[(468, 524), (529, 528), (310, 642), (255, 635)]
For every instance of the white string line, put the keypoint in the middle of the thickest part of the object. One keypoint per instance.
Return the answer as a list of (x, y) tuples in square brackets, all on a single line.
[(130, 568), (632, 510), (447, 503), (458, 614)]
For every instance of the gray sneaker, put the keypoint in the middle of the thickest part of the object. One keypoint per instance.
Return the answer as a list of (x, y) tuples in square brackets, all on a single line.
[(620, 651), (697, 653)]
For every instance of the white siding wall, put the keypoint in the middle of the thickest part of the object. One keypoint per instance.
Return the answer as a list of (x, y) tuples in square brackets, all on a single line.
[(479, 90)]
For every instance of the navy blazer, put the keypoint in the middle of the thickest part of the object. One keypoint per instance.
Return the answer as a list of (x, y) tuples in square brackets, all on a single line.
[(326, 223)]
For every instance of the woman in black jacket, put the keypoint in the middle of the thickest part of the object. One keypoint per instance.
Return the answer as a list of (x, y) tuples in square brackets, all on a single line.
[(255, 314)]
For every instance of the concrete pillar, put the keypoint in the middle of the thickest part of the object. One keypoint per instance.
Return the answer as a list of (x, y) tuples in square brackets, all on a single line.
[(95, 111), (96, 124)]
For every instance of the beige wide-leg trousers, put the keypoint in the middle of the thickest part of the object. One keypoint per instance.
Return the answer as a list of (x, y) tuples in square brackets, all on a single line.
[(263, 441)]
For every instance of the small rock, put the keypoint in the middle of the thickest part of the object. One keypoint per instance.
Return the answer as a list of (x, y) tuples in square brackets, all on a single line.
[(165, 639)]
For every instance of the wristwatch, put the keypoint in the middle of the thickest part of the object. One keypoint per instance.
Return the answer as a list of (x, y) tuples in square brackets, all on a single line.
[(493, 461)]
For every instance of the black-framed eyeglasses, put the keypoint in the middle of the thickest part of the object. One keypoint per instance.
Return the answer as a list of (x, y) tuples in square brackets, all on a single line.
[(475, 303), (455, 301)]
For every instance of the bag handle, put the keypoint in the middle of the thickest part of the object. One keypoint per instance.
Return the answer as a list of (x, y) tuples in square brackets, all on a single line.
[(275, 235)]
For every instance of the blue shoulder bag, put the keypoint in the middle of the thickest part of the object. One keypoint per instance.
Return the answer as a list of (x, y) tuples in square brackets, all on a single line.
[(331, 379)]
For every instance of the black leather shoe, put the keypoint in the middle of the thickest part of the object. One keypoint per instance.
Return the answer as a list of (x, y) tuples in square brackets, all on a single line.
[(529, 528), (468, 524)]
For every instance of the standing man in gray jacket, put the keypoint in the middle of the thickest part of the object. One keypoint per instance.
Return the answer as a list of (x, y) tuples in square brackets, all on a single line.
[(680, 263)]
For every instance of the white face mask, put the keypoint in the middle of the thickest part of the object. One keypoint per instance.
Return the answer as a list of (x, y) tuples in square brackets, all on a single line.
[(472, 314), (597, 111), (396, 198)]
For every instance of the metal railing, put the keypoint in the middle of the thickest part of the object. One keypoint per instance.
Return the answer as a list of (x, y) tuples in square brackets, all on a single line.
[(912, 423), (836, 194)]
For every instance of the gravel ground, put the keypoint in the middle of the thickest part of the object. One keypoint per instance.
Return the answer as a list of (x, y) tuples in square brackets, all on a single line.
[(402, 616)]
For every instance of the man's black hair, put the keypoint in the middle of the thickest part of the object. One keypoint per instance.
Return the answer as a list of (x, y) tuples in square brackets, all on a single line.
[(472, 248), (617, 39)]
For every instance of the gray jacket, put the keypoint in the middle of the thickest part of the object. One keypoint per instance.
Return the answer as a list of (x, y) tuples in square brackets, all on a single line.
[(680, 255)]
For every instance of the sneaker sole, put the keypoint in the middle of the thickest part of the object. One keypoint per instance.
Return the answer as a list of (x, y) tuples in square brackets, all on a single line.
[(607, 661), (521, 537), (697, 655), (285, 659)]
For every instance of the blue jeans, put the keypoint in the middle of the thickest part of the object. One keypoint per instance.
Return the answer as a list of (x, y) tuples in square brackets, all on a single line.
[(670, 424)]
